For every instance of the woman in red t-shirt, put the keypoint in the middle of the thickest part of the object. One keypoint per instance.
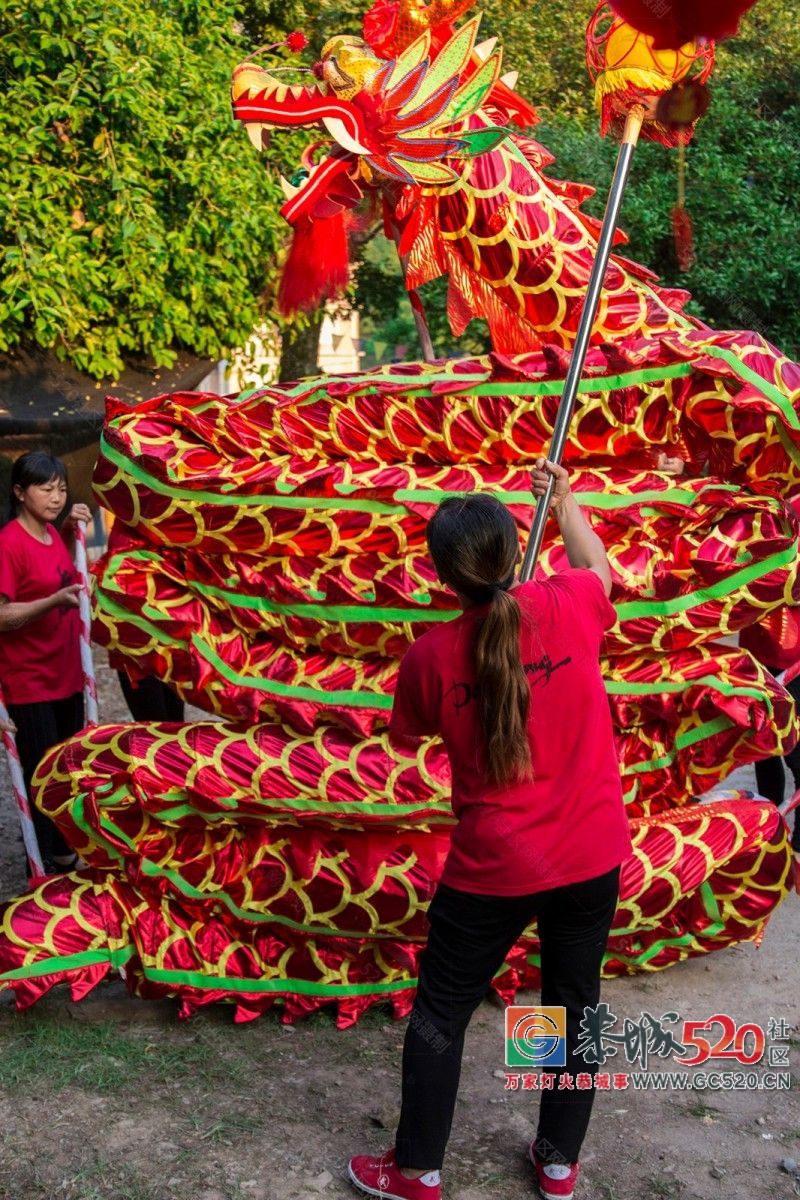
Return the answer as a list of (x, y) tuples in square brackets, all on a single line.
[(513, 688), (40, 666)]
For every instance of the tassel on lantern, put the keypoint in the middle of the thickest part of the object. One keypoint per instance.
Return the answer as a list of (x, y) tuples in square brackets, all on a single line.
[(318, 266), (682, 230)]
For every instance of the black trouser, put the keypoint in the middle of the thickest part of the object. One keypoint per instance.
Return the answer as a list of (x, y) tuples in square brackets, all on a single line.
[(770, 779), (150, 699), (39, 727), (470, 936)]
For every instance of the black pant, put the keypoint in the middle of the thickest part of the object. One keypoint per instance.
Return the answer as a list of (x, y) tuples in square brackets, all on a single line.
[(150, 699), (469, 938), (770, 779), (41, 726)]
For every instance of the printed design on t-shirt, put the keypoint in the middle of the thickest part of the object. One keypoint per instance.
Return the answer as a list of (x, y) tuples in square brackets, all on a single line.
[(66, 578), (544, 669), (538, 672)]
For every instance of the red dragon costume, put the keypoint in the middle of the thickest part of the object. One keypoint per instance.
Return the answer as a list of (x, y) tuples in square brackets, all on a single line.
[(268, 561)]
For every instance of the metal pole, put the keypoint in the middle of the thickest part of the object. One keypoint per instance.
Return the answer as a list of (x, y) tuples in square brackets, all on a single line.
[(417, 307), (423, 333), (566, 406)]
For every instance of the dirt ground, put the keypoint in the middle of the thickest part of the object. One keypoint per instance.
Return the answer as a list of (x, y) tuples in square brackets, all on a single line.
[(114, 1099)]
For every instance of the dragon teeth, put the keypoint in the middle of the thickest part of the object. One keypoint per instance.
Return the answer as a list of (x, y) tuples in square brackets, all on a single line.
[(288, 189), (339, 132), (254, 132)]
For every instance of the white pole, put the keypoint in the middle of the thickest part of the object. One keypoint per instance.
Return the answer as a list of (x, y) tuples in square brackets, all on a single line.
[(89, 681), (21, 796)]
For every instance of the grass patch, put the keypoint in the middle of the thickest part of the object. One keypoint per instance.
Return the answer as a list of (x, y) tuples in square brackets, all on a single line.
[(699, 1109), (606, 1191), (665, 1187), (97, 1180), (227, 1128), (103, 1058), (101, 1182)]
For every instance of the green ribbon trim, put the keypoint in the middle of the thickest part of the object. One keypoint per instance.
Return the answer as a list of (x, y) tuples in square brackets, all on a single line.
[(711, 905), (382, 703), (329, 612), (350, 807), (157, 871), (342, 501), (601, 500), (645, 608), (789, 446), (302, 987), (418, 385), (70, 962), (547, 387), (379, 701), (379, 808), (238, 499), (685, 939), (622, 688), (117, 958), (589, 383), (356, 612), (757, 381), (105, 604), (682, 741), (320, 695)]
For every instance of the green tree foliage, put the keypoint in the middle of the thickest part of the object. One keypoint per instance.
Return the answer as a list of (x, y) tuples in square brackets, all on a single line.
[(743, 183), (134, 215), (317, 19), (743, 170), (387, 322)]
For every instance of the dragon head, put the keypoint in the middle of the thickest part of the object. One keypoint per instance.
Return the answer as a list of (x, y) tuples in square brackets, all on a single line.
[(386, 124)]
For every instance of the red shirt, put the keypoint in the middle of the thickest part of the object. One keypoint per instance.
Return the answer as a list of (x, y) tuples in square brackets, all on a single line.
[(41, 660), (566, 825)]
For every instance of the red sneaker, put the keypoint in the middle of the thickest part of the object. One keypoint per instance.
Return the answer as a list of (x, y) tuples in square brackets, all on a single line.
[(381, 1177), (556, 1182)]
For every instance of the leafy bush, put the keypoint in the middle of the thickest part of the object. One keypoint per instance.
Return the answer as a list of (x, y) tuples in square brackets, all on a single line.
[(134, 214)]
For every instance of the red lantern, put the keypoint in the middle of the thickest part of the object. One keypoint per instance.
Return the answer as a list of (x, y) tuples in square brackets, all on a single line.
[(672, 24), (628, 69)]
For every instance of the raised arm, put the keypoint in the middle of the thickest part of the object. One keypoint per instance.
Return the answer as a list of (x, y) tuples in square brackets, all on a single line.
[(583, 546)]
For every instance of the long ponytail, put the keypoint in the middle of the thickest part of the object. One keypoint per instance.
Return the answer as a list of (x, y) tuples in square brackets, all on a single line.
[(474, 545), (504, 697)]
